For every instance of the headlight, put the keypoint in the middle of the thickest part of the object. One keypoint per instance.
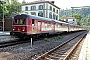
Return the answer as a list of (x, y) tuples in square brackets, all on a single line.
[(13, 29), (23, 28)]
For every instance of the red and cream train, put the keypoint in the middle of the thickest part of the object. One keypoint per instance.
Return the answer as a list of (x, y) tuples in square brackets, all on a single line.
[(27, 25)]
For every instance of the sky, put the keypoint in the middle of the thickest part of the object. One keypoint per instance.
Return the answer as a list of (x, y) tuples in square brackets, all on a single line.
[(66, 4)]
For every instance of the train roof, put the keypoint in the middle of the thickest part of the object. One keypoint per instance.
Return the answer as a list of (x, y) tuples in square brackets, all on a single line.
[(32, 16), (40, 18), (37, 17)]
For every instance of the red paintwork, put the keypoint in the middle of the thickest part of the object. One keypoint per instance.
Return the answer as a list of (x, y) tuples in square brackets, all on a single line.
[(29, 29), (16, 28)]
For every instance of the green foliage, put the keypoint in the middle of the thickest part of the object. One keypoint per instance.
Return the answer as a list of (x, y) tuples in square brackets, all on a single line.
[(56, 38), (46, 39), (10, 7), (82, 15), (14, 7), (77, 16), (60, 37), (63, 17), (1, 9), (86, 22), (23, 2)]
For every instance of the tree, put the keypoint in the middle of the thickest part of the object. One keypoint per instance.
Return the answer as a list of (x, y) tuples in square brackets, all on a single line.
[(23, 2), (78, 17), (1, 7), (10, 7), (14, 7), (62, 17), (87, 20)]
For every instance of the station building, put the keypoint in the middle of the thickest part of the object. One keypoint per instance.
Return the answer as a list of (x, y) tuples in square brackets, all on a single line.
[(45, 9), (70, 20)]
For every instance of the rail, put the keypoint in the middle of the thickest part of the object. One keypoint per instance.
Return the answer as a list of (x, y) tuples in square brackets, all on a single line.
[(66, 55)]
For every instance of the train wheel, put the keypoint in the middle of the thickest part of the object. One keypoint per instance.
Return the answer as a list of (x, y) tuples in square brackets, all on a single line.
[(24, 37)]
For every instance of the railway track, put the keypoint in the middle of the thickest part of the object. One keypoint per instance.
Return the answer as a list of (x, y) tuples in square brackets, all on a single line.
[(9, 41), (63, 51)]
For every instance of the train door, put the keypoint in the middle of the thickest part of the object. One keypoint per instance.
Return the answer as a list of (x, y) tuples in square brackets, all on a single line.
[(34, 25), (39, 26)]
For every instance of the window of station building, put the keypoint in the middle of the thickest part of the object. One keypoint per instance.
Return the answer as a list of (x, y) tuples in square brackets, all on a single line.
[(26, 8), (56, 17), (33, 7), (57, 11), (40, 7), (50, 8), (40, 14), (26, 12), (53, 9), (33, 13), (53, 16), (50, 15)]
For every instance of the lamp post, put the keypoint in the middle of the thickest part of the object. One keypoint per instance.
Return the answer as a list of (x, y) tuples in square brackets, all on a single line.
[(3, 15)]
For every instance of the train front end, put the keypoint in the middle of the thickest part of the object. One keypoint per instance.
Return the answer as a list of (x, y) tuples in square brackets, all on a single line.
[(19, 26)]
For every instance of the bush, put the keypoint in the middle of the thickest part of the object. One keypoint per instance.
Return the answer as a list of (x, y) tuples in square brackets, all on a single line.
[(55, 38), (46, 39), (60, 37)]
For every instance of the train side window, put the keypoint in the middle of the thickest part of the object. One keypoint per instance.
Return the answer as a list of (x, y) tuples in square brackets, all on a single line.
[(32, 22), (48, 24), (39, 23)]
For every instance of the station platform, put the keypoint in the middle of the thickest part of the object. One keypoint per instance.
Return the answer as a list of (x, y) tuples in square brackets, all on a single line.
[(5, 37), (85, 50), (4, 33)]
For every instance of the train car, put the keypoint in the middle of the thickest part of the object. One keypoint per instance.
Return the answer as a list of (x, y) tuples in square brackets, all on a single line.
[(25, 26)]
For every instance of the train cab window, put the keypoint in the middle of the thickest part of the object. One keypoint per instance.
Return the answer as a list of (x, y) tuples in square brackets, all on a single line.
[(32, 22), (22, 21), (16, 21)]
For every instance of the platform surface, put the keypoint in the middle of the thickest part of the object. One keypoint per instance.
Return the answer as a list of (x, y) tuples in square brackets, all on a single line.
[(4, 33), (85, 51)]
